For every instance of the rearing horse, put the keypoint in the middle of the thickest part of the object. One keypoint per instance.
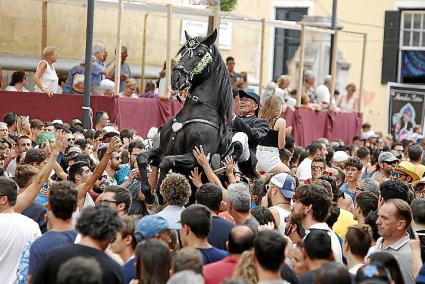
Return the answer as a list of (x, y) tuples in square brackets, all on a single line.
[(206, 116)]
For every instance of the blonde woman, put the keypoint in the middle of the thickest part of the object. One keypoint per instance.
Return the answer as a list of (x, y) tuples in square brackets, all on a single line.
[(349, 102), (245, 268), (268, 149), (45, 78), (23, 126)]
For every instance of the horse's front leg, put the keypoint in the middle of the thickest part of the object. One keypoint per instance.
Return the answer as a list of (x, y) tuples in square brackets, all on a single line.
[(183, 163), (143, 160)]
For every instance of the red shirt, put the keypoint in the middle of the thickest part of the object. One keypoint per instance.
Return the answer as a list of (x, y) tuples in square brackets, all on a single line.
[(216, 272)]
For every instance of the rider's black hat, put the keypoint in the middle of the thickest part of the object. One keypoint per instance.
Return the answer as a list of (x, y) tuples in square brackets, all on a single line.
[(250, 95)]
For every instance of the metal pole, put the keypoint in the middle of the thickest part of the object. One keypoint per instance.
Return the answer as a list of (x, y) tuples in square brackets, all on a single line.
[(333, 27), (168, 64), (43, 25), (142, 73), (263, 35), (301, 70), (88, 64), (362, 72), (333, 70), (118, 49)]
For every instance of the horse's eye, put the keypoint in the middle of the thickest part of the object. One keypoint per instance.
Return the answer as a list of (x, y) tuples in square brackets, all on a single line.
[(200, 54)]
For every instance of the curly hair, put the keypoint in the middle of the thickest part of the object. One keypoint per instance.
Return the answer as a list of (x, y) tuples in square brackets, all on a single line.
[(316, 196), (354, 162), (245, 268), (99, 222), (175, 189)]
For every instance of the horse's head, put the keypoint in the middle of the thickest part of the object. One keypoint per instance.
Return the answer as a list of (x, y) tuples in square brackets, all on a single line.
[(195, 56)]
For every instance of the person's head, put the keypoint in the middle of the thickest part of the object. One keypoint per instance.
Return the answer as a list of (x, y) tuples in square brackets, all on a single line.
[(186, 276), (311, 201), (62, 200), (249, 102), (245, 268), (125, 240), (209, 195), (24, 175), (285, 156), (330, 181), (271, 109), (130, 86), (390, 262), (280, 189), (353, 169), (415, 152), (99, 51), (263, 215), (153, 262), (386, 163), (100, 119), (370, 220), (283, 81), (150, 87), (135, 148), (230, 63), (394, 218), (124, 54), (269, 250), (405, 172), (187, 259), (117, 197), (196, 223), (18, 77), (371, 186), (8, 193), (238, 198), (366, 202), (36, 128), (358, 240), (114, 161), (100, 224), (36, 158), (80, 270), (154, 226), (317, 149), (332, 272), (313, 251), (10, 119), (318, 165), (175, 189), (391, 189), (418, 210), (50, 54), (363, 153), (23, 125), (309, 78), (241, 238), (351, 89), (79, 172)]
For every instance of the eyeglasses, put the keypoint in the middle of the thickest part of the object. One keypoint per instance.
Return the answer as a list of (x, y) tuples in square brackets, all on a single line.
[(104, 177), (116, 158), (317, 168), (108, 201), (25, 144), (70, 139), (270, 185), (398, 175)]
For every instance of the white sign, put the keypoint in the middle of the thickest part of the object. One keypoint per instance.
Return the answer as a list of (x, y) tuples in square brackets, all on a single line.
[(200, 28)]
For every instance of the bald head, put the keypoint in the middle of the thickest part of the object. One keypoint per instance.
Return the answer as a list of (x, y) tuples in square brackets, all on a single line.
[(241, 238)]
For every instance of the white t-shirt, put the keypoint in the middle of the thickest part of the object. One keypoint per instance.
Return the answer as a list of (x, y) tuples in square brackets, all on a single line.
[(16, 231), (13, 89), (304, 169), (323, 94)]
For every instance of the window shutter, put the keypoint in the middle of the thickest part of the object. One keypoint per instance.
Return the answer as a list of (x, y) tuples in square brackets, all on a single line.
[(391, 47)]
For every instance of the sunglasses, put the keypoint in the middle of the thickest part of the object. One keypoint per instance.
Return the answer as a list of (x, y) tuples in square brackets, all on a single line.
[(70, 139)]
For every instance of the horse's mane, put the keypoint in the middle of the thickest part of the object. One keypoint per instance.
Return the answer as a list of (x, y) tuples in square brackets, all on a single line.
[(225, 95)]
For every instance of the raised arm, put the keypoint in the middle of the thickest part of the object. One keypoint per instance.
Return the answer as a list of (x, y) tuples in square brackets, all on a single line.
[(30, 194), (255, 133), (100, 168)]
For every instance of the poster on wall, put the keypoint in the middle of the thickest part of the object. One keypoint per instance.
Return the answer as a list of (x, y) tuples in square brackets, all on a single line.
[(406, 111)]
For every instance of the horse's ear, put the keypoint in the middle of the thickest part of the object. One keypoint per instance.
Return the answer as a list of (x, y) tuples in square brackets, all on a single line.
[(186, 35), (211, 38)]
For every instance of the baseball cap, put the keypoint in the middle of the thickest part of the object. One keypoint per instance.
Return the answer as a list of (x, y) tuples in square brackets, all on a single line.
[(340, 156), (151, 225), (76, 121), (286, 183), (387, 157), (408, 168), (250, 95), (109, 129)]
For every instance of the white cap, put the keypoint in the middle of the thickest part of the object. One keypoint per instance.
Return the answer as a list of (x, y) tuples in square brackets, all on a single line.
[(57, 121), (109, 129), (340, 156)]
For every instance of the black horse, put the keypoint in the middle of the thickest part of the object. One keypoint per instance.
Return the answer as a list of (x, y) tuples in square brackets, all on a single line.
[(206, 117)]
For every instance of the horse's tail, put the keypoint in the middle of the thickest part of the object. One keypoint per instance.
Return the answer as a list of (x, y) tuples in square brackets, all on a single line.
[(226, 136)]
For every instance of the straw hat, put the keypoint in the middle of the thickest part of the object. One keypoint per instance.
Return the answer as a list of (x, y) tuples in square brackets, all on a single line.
[(408, 168)]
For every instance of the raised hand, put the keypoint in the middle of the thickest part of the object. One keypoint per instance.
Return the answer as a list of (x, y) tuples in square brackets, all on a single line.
[(202, 159), (230, 164), (195, 177), (57, 146), (113, 145)]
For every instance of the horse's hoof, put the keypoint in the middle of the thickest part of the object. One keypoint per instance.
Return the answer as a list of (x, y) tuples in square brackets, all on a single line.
[(215, 161)]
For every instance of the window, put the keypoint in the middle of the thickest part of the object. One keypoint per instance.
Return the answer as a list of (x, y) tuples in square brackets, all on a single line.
[(413, 30)]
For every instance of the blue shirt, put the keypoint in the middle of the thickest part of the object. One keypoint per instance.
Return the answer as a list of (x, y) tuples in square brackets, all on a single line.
[(212, 254), (37, 212), (344, 188), (45, 243), (129, 270), (70, 78), (96, 74), (219, 233), (122, 174)]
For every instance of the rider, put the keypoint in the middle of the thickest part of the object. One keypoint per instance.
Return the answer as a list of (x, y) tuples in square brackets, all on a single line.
[(248, 130)]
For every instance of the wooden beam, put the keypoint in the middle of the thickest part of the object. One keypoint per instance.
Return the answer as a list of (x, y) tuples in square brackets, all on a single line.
[(43, 25), (143, 63), (168, 64), (362, 72), (301, 67), (118, 48), (333, 70), (263, 36)]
